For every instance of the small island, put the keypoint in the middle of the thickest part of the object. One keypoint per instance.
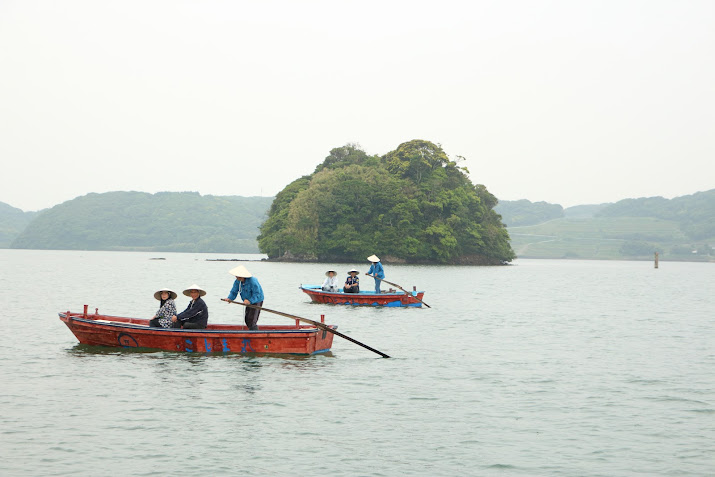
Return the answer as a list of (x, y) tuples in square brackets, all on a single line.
[(411, 205)]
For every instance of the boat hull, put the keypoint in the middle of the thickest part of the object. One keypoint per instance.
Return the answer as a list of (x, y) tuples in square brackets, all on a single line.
[(120, 332), (390, 299)]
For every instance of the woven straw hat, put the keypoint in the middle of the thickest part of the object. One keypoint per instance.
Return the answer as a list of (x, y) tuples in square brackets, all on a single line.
[(353, 270), (240, 271), (330, 271), (373, 258), (172, 294), (202, 292)]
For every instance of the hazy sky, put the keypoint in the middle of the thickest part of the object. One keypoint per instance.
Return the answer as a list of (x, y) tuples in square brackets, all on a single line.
[(571, 102)]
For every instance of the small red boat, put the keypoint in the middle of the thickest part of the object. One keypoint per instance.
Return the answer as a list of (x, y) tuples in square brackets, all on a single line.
[(104, 330), (364, 298)]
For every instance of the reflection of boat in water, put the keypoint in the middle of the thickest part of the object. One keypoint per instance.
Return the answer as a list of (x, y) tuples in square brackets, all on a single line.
[(121, 332), (364, 298)]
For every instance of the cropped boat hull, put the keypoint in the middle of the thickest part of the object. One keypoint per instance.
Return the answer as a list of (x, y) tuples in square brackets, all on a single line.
[(121, 332), (364, 298)]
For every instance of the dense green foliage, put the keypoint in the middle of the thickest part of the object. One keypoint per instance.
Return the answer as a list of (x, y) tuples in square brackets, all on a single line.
[(412, 204), (523, 212), (12, 222), (166, 221)]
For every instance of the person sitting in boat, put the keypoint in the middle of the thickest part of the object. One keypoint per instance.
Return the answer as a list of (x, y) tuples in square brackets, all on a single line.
[(196, 315), (352, 284), (251, 293), (167, 308), (376, 271), (331, 281)]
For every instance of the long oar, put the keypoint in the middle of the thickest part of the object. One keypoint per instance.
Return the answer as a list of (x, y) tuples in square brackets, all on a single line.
[(320, 325), (398, 286)]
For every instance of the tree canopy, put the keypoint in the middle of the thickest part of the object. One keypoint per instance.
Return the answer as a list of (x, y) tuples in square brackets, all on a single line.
[(413, 204)]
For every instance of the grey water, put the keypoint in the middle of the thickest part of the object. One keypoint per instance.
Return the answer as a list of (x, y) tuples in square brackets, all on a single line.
[(565, 368)]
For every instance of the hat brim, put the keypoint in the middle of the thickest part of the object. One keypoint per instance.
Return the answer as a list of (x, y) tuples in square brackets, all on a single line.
[(172, 294), (330, 271), (373, 258), (240, 272), (202, 292)]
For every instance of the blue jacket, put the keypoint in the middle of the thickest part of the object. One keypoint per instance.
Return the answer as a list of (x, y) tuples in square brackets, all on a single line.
[(377, 270), (249, 290), (196, 312)]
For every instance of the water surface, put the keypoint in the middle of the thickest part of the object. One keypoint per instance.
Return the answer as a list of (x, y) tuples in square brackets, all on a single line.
[(574, 368)]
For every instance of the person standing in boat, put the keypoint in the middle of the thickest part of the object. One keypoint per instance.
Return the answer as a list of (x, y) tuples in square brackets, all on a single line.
[(247, 286), (196, 315), (331, 282), (352, 284), (167, 309), (376, 271)]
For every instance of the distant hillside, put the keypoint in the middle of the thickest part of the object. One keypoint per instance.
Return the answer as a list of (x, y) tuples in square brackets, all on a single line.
[(682, 228), (695, 214), (523, 212), (166, 221), (12, 222), (584, 211)]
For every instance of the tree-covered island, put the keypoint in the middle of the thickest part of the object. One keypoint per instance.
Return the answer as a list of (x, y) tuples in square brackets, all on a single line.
[(411, 205)]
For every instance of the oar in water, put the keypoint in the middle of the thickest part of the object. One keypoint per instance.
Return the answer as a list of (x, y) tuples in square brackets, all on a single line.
[(320, 325), (398, 286)]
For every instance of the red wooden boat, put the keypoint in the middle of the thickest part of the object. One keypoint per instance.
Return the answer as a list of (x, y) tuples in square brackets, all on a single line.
[(364, 298), (105, 330)]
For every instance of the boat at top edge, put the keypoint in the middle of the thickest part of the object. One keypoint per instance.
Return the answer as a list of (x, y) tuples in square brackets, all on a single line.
[(364, 298), (121, 332)]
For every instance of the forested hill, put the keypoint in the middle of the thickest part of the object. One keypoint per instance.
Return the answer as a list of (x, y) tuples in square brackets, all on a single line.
[(12, 222), (682, 228), (695, 214), (165, 221), (413, 204)]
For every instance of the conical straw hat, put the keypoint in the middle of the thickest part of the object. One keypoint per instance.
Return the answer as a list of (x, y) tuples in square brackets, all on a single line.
[(373, 258), (172, 294), (202, 292), (240, 271)]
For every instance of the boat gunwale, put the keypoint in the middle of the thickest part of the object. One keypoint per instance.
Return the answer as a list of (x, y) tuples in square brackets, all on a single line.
[(361, 293), (159, 330)]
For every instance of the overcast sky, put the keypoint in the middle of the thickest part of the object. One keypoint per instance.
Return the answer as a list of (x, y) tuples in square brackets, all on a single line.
[(570, 102)]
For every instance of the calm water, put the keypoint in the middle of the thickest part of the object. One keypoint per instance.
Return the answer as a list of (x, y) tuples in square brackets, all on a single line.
[(574, 368)]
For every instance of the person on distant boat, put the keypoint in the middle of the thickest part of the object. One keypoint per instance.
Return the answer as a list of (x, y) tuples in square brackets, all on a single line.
[(376, 271), (247, 286), (331, 281), (352, 284), (196, 315), (167, 308)]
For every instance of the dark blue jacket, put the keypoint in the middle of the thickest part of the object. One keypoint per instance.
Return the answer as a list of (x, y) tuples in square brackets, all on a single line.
[(196, 312)]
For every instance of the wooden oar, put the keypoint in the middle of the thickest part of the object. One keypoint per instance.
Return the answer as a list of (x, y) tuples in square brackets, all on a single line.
[(318, 324), (398, 286)]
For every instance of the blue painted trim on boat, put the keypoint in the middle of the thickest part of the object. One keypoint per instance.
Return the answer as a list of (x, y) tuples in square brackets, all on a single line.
[(319, 288)]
